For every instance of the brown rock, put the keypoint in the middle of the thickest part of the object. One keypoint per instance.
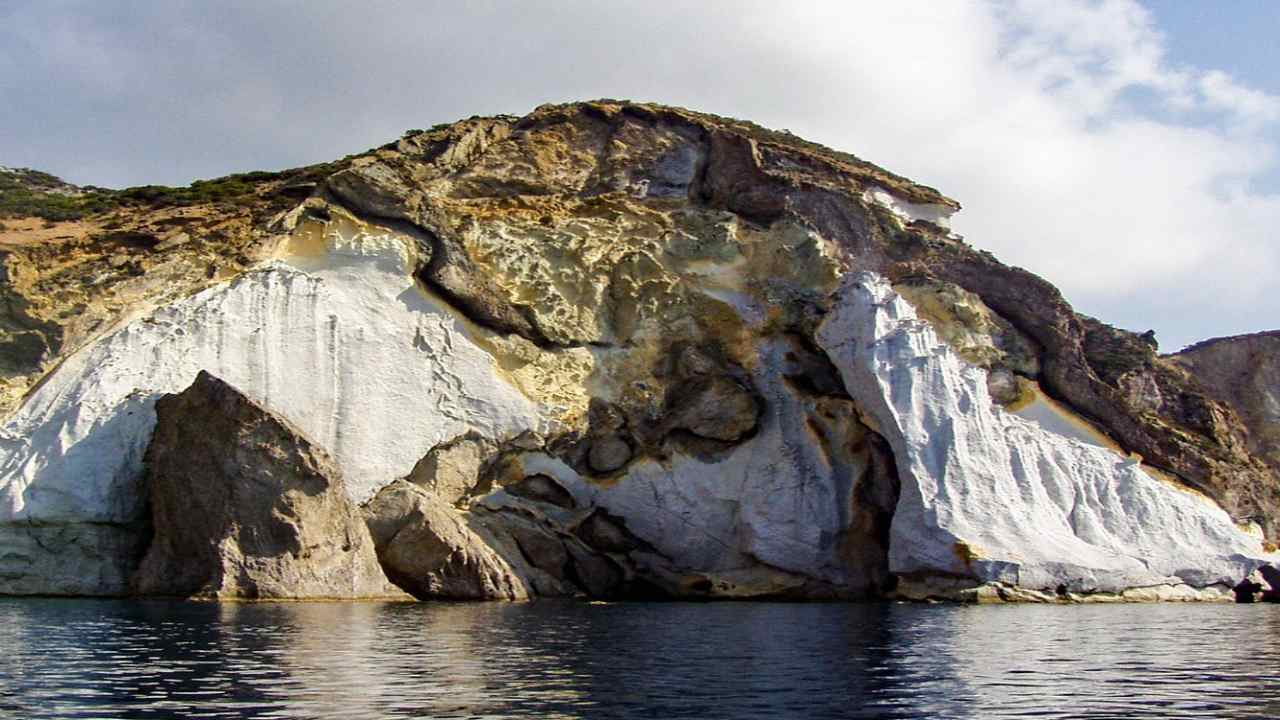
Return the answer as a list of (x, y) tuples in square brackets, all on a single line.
[(429, 548), (542, 488), (245, 506), (598, 575), (608, 453), (451, 470), (540, 546), (372, 185), (552, 562), (1003, 386), (606, 533), (716, 408), (1243, 372)]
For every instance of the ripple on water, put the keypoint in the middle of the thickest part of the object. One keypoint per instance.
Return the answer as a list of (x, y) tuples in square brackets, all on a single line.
[(102, 658)]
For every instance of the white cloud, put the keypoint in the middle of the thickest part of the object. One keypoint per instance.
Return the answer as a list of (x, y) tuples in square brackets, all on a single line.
[(1078, 147), (1082, 153), (1086, 52), (1250, 107), (1136, 202)]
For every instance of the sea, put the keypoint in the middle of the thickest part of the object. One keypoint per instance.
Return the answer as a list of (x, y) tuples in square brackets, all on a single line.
[(62, 658)]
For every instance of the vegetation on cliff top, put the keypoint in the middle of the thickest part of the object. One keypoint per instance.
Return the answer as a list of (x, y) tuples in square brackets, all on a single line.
[(32, 193), (26, 193)]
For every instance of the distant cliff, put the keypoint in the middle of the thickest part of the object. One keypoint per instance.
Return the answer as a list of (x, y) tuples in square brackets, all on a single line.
[(612, 350), (1243, 372)]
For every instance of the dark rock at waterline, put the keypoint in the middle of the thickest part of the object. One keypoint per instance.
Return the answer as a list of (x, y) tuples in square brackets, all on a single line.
[(1246, 591), (429, 548), (1270, 575)]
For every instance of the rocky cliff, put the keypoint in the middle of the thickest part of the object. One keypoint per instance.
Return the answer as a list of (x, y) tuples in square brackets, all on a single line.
[(1243, 372), (612, 349)]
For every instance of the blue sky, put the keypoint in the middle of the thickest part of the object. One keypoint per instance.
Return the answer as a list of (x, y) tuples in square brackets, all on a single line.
[(1237, 36), (1240, 37), (1125, 150)]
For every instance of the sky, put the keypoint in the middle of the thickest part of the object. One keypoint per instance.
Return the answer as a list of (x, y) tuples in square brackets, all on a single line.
[(1126, 150)]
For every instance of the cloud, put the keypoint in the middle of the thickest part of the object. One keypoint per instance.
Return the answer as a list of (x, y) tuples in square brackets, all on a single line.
[(1247, 106), (1132, 177), (1078, 147)]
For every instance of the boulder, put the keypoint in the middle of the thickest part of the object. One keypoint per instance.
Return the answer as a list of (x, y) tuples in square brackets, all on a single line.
[(429, 549), (244, 506), (541, 488), (608, 454), (451, 470), (716, 408)]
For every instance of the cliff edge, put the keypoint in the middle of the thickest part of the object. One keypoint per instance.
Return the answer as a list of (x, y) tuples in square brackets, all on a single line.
[(621, 349)]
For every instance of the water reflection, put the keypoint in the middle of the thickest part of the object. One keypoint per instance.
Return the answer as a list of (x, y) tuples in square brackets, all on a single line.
[(69, 658)]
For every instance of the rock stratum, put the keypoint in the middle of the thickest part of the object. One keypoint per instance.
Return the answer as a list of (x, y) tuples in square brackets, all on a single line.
[(608, 350)]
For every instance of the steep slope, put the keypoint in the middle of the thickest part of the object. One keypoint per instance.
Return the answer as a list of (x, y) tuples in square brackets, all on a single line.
[(692, 355), (1243, 372), (1009, 502)]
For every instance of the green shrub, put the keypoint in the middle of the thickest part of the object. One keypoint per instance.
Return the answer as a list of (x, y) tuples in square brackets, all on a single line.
[(27, 193)]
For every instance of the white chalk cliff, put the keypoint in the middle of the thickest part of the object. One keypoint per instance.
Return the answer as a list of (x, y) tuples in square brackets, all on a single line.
[(622, 365), (339, 340), (990, 494)]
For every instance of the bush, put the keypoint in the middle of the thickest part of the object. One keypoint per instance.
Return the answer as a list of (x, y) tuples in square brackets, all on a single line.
[(27, 193)]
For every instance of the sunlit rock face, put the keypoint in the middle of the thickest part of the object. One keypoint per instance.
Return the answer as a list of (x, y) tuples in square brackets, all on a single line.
[(618, 350), (243, 506), (343, 344), (801, 509), (995, 497), (1244, 372)]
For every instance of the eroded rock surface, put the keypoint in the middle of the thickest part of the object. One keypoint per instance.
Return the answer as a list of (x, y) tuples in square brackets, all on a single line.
[(612, 349), (429, 549), (66, 280), (244, 506), (1009, 502), (1244, 373)]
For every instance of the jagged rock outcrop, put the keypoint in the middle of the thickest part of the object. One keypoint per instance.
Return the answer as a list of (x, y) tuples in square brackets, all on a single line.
[(1009, 502), (87, 258), (244, 506), (612, 349), (1243, 372), (530, 538), (428, 549)]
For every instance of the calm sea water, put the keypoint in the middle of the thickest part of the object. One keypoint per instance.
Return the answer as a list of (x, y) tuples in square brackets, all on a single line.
[(118, 659)]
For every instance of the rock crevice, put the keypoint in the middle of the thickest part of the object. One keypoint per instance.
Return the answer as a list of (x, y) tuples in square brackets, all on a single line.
[(614, 349)]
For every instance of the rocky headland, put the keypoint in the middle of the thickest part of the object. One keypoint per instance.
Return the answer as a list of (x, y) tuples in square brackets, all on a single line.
[(609, 350)]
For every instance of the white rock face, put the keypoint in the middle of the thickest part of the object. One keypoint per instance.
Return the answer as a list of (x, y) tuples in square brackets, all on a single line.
[(336, 336), (768, 516), (909, 212), (992, 496), (783, 499), (341, 342)]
